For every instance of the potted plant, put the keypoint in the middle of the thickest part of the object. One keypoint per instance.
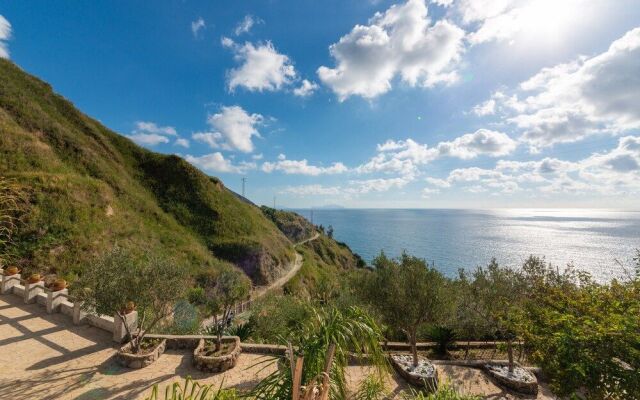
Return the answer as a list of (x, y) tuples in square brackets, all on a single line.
[(408, 293), (34, 278), (497, 294), (59, 284), (219, 292), (117, 283), (12, 270)]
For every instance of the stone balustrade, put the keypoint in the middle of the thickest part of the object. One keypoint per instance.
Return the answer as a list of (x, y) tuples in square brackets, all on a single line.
[(58, 302)]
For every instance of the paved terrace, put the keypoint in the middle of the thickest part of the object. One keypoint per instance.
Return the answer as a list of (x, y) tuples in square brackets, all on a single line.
[(47, 357)]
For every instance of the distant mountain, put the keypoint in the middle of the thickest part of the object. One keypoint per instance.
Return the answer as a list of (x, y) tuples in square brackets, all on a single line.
[(90, 188)]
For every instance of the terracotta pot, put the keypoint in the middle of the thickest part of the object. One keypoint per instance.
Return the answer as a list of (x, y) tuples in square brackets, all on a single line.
[(34, 278), (11, 271), (130, 307), (59, 284)]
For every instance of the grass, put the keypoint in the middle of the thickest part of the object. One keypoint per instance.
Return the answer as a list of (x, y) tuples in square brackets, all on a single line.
[(90, 188)]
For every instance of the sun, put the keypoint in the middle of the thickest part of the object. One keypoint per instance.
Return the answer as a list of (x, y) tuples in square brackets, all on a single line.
[(549, 19)]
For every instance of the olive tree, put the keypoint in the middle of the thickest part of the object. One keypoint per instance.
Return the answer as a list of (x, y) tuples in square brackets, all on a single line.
[(116, 281), (496, 296), (407, 293), (219, 291)]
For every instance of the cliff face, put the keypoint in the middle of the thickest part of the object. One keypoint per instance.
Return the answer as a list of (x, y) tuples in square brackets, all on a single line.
[(89, 188)]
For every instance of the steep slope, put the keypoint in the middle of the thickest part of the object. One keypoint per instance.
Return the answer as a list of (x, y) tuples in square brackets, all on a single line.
[(90, 188), (324, 258)]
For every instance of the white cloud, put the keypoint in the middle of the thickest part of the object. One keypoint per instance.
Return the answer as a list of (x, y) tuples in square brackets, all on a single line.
[(403, 42), (302, 167), (486, 108), (263, 68), (305, 89), (151, 127), (197, 26), (313, 190), (568, 102), (148, 139), (233, 129), (613, 172), (438, 182), (182, 142), (213, 139), (246, 24), (481, 142), (427, 192), (151, 134), (503, 20), (405, 157), (354, 187), (5, 35), (215, 162), (257, 156)]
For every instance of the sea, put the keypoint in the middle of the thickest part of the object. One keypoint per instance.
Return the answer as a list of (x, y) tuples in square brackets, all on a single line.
[(602, 242)]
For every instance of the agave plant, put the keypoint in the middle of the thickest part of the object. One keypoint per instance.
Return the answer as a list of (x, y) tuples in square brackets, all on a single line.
[(243, 331), (191, 390), (321, 349)]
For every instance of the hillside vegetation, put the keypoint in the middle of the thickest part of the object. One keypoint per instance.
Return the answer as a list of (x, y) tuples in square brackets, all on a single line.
[(89, 188)]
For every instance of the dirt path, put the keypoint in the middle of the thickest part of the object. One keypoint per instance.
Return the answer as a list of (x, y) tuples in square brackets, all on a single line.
[(293, 270), (277, 284)]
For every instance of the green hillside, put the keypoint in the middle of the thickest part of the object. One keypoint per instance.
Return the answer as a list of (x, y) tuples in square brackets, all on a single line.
[(324, 259), (90, 188)]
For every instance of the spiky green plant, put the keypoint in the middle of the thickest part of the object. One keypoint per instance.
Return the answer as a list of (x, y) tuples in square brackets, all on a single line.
[(444, 392), (351, 331), (191, 390), (372, 388)]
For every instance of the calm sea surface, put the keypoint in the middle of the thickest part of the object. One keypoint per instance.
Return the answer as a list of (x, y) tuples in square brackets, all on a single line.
[(591, 239)]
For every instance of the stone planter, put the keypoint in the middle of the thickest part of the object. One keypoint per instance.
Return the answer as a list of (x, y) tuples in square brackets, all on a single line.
[(424, 375), (217, 363), (520, 380), (136, 361)]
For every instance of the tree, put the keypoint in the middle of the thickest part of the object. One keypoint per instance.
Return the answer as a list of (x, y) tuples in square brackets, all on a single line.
[(583, 334), (330, 231), (496, 295), (116, 279), (221, 290), (407, 293)]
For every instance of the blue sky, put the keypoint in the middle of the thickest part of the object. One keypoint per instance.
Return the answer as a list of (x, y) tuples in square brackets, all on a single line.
[(444, 103)]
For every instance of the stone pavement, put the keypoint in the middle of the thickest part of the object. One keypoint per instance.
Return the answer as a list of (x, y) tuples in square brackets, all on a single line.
[(46, 357)]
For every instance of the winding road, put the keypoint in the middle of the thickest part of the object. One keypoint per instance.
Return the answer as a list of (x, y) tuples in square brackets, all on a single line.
[(293, 270)]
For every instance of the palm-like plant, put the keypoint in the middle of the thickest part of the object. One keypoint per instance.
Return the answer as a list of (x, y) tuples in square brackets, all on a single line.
[(444, 392), (323, 347), (190, 390)]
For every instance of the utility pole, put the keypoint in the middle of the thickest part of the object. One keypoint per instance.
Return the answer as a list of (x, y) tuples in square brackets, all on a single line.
[(274, 202), (312, 216), (244, 180)]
